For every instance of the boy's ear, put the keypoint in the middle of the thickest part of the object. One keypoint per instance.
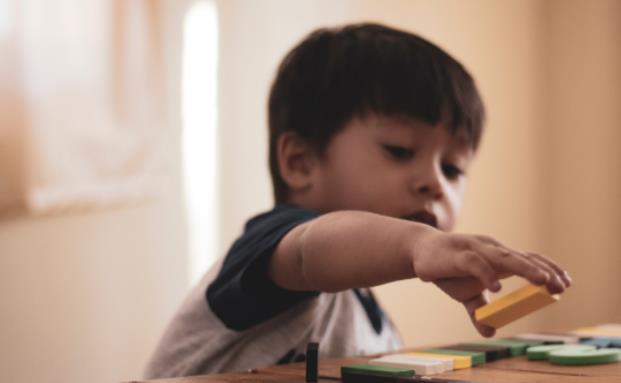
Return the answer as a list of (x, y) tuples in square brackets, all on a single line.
[(296, 161)]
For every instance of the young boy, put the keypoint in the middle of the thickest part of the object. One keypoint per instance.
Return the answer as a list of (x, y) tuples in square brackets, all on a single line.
[(372, 131)]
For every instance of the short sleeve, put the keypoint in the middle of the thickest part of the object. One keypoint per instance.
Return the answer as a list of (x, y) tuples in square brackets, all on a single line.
[(243, 295)]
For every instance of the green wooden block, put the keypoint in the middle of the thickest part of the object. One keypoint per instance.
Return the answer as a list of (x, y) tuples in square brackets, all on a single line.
[(537, 342), (378, 370), (572, 357), (529, 342), (517, 347), (543, 352)]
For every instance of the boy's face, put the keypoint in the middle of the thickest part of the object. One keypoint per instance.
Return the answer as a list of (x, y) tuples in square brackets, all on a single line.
[(397, 167)]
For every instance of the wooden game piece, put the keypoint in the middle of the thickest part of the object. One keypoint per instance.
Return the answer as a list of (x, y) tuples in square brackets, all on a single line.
[(586, 357), (547, 338), (603, 342), (477, 358), (458, 362), (598, 342), (381, 370), (422, 366), (604, 330), (514, 305), (516, 347), (542, 352), (312, 359), (492, 352), (532, 342), (360, 377)]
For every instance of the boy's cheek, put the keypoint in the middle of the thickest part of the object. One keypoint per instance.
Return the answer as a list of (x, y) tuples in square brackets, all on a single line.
[(448, 225), (455, 196), (447, 218)]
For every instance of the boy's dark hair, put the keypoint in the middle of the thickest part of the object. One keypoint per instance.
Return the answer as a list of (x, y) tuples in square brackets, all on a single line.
[(337, 74)]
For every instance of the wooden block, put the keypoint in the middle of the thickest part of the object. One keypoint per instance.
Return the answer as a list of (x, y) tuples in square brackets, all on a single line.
[(381, 370), (360, 377), (601, 342), (517, 348), (598, 342), (548, 338), (574, 357), (422, 366), (514, 306), (476, 357), (312, 354), (458, 361), (605, 330), (492, 352), (542, 352)]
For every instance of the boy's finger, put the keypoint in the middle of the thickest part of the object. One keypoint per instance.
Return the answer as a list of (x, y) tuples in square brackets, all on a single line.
[(555, 284), (562, 274), (544, 263), (471, 263), (471, 307), (514, 262), (484, 330)]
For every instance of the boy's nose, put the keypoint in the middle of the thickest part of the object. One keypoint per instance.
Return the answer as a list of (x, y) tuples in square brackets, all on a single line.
[(428, 183)]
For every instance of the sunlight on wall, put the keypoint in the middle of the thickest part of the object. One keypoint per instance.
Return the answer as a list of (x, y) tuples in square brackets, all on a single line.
[(199, 113), (5, 11)]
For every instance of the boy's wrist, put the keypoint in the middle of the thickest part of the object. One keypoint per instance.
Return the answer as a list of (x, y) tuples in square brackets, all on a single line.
[(414, 243)]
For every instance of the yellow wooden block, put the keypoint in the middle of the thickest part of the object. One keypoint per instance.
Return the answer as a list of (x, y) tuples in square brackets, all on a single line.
[(459, 361), (514, 305), (605, 330)]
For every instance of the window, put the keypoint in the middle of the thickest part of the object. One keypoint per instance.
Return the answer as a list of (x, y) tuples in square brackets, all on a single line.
[(199, 136)]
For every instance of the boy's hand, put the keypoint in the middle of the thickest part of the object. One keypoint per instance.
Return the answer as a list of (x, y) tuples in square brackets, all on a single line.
[(464, 266), (470, 292)]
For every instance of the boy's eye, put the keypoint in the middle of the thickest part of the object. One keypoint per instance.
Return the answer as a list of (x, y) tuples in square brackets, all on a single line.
[(452, 172), (399, 152)]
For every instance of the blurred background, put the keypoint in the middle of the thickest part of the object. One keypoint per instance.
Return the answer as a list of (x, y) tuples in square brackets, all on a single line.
[(133, 147)]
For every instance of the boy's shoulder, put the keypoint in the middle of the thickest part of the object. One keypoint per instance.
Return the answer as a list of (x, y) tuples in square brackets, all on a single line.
[(242, 295), (236, 318)]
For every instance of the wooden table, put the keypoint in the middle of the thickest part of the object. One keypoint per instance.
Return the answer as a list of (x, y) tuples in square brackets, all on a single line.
[(511, 370)]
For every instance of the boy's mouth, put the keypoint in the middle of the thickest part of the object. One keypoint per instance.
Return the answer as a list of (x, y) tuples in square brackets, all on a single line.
[(423, 217)]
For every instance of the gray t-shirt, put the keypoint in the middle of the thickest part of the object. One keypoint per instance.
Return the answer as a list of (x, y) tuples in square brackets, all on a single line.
[(236, 318)]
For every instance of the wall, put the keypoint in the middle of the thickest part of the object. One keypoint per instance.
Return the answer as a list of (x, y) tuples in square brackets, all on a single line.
[(85, 296), (582, 138)]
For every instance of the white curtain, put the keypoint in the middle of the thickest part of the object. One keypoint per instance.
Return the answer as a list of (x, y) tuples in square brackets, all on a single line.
[(81, 102)]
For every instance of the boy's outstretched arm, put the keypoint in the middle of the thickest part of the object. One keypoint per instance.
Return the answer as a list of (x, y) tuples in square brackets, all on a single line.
[(348, 249)]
